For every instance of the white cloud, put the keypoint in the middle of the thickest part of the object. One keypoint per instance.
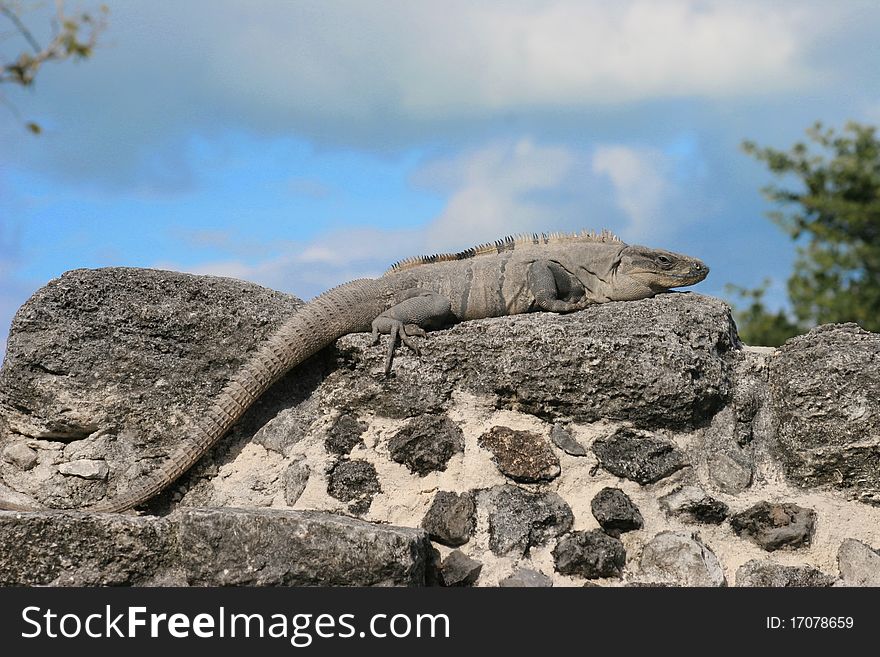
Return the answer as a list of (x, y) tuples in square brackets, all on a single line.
[(642, 187)]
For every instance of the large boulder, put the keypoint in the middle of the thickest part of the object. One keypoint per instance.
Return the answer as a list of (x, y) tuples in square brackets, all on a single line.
[(825, 389)]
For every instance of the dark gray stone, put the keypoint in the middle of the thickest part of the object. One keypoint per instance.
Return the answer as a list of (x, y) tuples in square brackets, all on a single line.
[(296, 476), (207, 547), (825, 390), (451, 518), (638, 456), (113, 364), (520, 520), (426, 444), (521, 455), (526, 578), (768, 573), (616, 512), (776, 525), (859, 564), (565, 441), (344, 435), (458, 569), (354, 482), (692, 504), (591, 554), (661, 362), (680, 559)]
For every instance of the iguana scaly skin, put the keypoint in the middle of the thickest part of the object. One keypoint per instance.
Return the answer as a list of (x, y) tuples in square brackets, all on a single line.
[(557, 273)]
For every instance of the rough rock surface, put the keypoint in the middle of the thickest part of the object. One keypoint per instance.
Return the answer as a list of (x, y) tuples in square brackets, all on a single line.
[(859, 564), (520, 520), (108, 366), (526, 578), (638, 455), (458, 569), (521, 455), (615, 511), (826, 394), (591, 554), (207, 547), (426, 444), (451, 519), (768, 573), (776, 525), (682, 560)]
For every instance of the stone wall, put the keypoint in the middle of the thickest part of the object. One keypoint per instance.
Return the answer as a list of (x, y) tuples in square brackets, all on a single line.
[(633, 443)]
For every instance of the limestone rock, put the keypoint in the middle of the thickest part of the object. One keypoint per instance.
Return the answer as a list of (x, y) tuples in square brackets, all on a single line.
[(776, 525), (615, 511), (521, 455), (825, 388), (458, 569), (520, 520), (208, 547), (20, 455), (85, 468), (526, 578), (296, 477), (859, 564), (680, 560), (692, 504), (344, 435), (426, 444), (638, 456), (591, 554), (565, 441), (768, 573), (355, 482), (451, 518)]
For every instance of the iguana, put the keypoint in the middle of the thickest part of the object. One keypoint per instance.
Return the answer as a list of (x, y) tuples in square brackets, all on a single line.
[(556, 273)]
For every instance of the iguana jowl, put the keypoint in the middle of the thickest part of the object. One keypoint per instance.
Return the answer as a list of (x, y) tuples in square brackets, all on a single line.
[(557, 273)]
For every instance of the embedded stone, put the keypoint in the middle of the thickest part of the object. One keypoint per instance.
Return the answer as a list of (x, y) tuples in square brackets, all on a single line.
[(354, 482), (526, 578), (20, 455), (768, 573), (345, 435), (776, 525), (692, 504), (520, 520), (458, 569), (859, 564), (451, 518), (521, 455), (638, 455), (562, 438), (296, 476), (615, 511), (680, 560), (85, 469), (426, 444), (590, 554)]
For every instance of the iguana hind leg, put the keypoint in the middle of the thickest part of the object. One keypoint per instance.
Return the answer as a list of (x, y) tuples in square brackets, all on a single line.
[(555, 289), (418, 310)]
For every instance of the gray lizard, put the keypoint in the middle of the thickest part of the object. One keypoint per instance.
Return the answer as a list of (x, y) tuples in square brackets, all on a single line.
[(556, 273)]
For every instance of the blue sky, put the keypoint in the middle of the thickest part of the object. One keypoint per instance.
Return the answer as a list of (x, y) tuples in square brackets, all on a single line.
[(300, 144)]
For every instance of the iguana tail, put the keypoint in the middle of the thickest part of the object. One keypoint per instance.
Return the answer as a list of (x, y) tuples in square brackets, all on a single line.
[(349, 308)]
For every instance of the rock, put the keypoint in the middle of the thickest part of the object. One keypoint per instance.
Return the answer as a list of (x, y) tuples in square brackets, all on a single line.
[(825, 391), (426, 444), (638, 456), (20, 455), (526, 578), (344, 435), (520, 520), (589, 554), (451, 518), (859, 564), (661, 362), (692, 504), (775, 525), (207, 547), (296, 476), (616, 512), (560, 437), (458, 569), (729, 471), (681, 560), (116, 363), (355, 482), (85, 468), (768, 573), (521, 455)]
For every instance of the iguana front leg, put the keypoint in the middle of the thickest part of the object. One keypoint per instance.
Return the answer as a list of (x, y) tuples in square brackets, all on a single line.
[(420, 309), (555, 289)]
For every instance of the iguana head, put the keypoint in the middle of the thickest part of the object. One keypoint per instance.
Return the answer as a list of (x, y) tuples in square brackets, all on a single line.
[(645, 272)]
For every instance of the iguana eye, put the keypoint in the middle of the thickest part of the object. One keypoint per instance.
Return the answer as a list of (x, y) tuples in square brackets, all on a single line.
[(664, 260)]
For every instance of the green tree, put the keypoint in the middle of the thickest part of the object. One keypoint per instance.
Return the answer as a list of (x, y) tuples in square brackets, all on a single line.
[(756, 324), (73, 37), (833, 213)]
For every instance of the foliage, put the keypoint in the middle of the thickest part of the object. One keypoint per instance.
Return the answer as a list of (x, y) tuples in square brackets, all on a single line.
[(73, 37), (833, 214), (756, 324)]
